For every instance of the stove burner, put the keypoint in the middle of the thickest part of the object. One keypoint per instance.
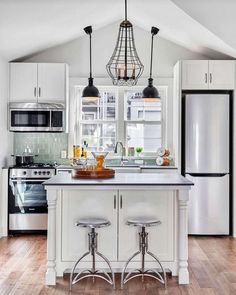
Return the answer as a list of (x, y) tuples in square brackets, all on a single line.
[(36, 165)]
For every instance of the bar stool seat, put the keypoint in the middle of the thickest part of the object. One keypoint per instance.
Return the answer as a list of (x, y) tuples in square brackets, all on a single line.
[(142, 222), (92, 223)]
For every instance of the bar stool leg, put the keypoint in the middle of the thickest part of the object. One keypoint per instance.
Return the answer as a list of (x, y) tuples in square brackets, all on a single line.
[(73, 270), (143, 249), (92, 241)]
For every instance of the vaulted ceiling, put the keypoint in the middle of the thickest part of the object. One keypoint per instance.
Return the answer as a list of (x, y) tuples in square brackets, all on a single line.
[(204, 26)]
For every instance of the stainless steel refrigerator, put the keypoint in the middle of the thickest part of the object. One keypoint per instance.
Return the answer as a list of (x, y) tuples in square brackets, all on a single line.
[(207, 162)]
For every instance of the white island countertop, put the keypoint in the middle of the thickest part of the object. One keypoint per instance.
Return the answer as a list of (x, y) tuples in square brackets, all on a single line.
[(121, 179)]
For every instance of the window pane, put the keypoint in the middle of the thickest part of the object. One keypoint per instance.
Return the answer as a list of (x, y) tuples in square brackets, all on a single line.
[(99, 135), (138, 108), (90, 129), (144, 135), (108, 130), (108, 143), (90, 113)]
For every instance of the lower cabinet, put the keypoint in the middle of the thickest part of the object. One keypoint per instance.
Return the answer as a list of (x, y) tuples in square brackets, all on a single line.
[(118, 241), (154, 204), (82, 204)]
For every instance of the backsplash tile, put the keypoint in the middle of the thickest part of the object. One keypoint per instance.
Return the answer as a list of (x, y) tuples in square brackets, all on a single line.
[(47, 146)]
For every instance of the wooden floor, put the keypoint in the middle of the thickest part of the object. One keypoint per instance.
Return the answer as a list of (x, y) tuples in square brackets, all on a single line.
[(212, 266)]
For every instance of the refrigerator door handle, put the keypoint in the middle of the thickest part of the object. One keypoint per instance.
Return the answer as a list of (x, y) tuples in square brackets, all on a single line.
[(207, 174)]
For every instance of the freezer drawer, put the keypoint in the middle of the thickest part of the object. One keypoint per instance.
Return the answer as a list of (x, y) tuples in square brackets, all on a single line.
[(209, 205), (207, 133)]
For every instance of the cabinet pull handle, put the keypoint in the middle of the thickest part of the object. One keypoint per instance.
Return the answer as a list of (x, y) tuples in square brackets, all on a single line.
[(121, 202), (35, 91), (39, 91), (114, 201), (205, 77), (210, 77)]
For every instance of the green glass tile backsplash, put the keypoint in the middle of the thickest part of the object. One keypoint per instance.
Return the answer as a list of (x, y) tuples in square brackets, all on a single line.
[(47, 146)]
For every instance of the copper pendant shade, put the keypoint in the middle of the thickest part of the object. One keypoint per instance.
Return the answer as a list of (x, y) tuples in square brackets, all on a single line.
[(124, 66)]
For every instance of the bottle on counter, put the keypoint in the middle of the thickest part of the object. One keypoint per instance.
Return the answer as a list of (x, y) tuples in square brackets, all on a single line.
[(84, 148)]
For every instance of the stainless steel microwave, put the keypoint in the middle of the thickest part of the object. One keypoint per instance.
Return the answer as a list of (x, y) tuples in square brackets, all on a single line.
[(36, 117)]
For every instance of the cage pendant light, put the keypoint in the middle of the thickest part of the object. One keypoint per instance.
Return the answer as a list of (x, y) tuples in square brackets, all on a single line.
[(90, 92), (150, 92), (124, 66)]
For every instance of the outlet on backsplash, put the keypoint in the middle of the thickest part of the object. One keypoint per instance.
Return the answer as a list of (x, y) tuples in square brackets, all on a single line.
[(48, 146)]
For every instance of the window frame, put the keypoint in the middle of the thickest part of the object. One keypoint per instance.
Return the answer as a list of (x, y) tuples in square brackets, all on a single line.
[(120, 122)]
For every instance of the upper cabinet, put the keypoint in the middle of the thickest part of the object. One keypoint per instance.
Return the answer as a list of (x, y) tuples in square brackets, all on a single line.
[(38, 82), (208, 74)]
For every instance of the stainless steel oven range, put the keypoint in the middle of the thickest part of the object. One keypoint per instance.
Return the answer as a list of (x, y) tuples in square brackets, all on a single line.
[(27, 203)]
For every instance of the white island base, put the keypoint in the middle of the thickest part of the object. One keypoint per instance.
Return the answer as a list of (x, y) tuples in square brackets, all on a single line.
[(162, 196)]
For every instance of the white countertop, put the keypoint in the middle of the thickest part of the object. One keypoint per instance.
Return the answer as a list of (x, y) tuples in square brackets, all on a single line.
[(136, 179), (125, 166)]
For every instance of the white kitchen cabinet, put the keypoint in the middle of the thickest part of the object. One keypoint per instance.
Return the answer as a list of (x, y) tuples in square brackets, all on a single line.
[(208, 74), (221, 74), (154, 204), (38, 82), (23, 82), (195, 74), (51, 81), (83, 204)]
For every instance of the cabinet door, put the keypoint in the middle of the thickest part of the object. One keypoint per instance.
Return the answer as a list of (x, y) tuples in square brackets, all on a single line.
[(83, 204), (156, 204), (195, 74), (51, 82), (23, 82), (221, 74)]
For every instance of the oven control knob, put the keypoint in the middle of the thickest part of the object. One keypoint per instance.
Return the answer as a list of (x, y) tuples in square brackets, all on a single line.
[(48, 173), (24, 172), (35, 172), (39, 173), (44, 172)]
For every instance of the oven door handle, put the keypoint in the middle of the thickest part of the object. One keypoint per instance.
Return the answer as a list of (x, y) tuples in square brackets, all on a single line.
[(28, 180)]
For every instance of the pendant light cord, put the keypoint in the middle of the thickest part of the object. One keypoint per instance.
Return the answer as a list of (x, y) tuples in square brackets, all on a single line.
[(125, 9), (90, 41), (154, 31), (151, 57)]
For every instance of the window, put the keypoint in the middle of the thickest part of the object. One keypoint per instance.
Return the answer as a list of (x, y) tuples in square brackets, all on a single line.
[(121, 114), (98, 120)]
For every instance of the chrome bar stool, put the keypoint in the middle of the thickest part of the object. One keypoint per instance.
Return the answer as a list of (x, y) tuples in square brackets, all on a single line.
[(142, 223), (92, 224)]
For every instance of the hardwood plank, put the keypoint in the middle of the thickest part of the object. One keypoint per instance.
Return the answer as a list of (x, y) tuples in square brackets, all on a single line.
[(212, 267)]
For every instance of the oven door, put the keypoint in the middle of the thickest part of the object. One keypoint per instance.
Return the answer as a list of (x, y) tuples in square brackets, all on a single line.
[(27, 196), (29, 120)]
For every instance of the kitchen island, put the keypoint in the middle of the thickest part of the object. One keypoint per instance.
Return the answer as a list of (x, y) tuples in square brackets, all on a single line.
[(163, 196)]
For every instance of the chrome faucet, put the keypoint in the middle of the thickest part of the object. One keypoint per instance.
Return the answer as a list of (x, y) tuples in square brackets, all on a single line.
[(122, 152)]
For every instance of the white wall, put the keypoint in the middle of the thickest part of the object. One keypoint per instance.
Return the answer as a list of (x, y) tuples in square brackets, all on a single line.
[(5, 136), (76, 53), (5, 143)]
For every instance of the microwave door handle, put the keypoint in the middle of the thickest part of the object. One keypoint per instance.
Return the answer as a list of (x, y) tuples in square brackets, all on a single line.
[(50, 122), (30, 180)]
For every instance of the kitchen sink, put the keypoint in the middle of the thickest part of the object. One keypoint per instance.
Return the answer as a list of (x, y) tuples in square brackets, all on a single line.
[(125, 168)]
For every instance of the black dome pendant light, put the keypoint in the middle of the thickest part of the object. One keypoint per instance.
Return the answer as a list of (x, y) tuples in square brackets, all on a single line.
[(150, 92), (90, 92)]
